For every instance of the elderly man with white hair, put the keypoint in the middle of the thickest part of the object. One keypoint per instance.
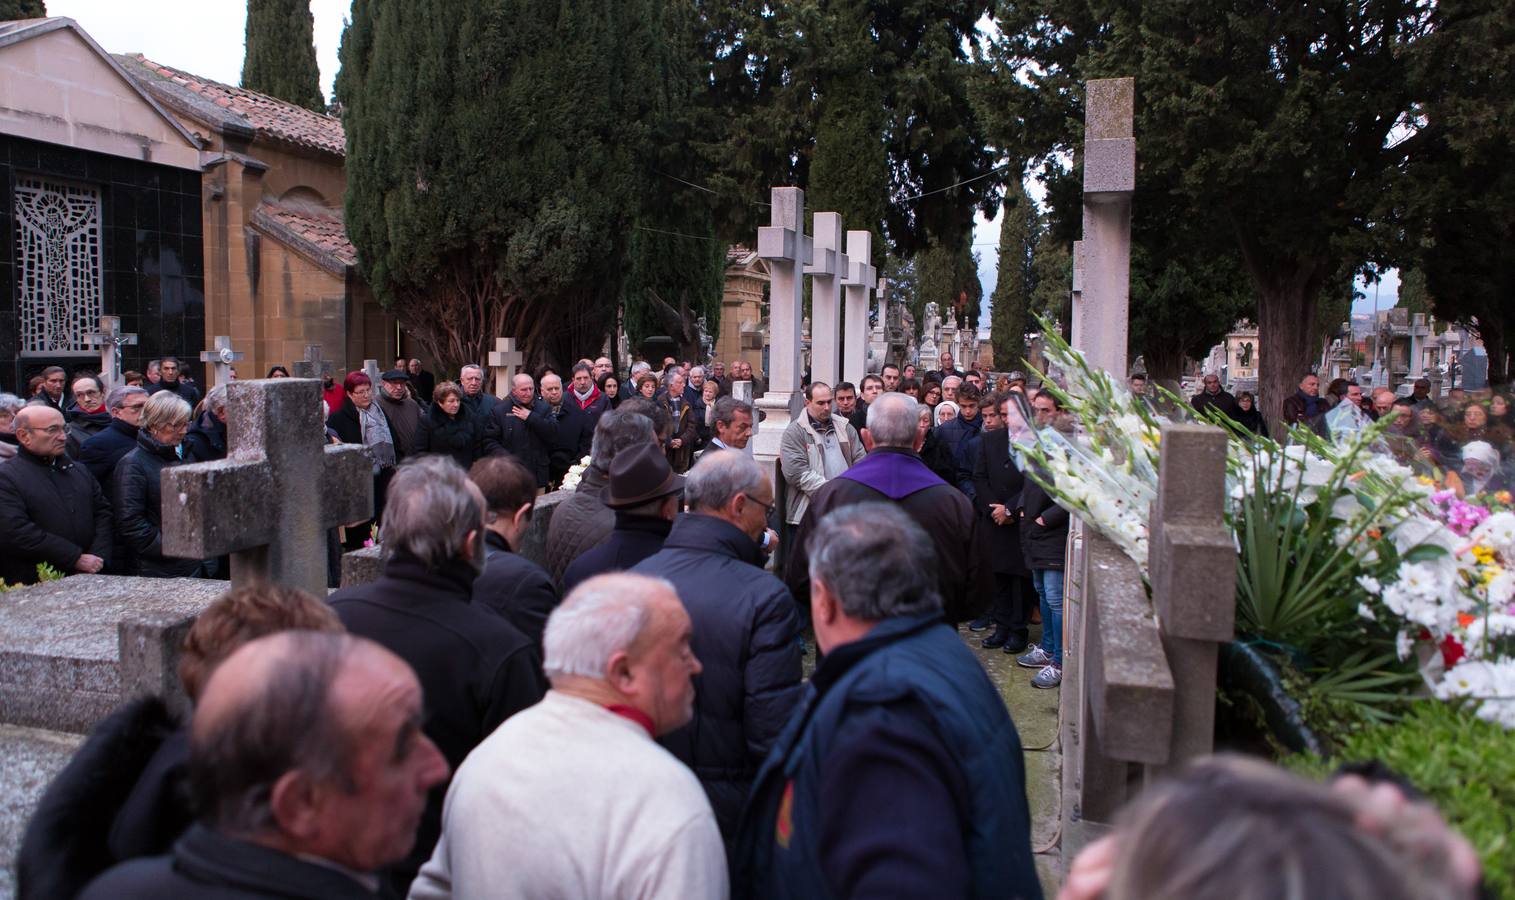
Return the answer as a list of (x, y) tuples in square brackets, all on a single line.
[(476, 668), (573, 797)]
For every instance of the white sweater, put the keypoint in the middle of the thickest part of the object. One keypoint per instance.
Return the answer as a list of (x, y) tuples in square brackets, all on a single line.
[(569, 800)]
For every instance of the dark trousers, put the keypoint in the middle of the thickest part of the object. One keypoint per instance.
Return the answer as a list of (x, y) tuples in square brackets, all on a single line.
[(1014, 596)]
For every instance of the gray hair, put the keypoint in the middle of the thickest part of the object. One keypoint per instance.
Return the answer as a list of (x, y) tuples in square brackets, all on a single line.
[(720, 476), (12, 404), (700, 369), (216, 399), (727, 408), (116, 399), (617, 430), (163, 408), (600, 618), (876, 560), (284, 724), (893, 419), (638, 368), (432, 506), (474, 366)]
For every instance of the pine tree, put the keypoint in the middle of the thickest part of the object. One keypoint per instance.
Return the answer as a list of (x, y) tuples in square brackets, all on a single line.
[(1015, 285), (280, 55), (22, 9), (499, 156)]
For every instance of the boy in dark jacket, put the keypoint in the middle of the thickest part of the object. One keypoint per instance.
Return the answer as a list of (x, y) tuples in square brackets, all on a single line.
[(1044, 538)]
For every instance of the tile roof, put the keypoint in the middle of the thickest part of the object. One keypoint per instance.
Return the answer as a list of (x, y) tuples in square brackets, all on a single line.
[(321, 235), (216, 104)]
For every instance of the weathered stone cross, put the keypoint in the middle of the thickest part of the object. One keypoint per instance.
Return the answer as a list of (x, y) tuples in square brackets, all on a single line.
[(827, 270), (503, 360), (371, 369), (220, 358), (110, 340), (858, 284), (313, 366), (258, 504)]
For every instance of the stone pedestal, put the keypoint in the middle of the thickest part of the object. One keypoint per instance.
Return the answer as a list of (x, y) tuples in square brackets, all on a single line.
[(1102, 264)]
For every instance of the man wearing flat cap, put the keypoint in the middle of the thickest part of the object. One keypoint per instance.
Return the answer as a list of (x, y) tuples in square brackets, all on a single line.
[(403, 411), (644, 492)]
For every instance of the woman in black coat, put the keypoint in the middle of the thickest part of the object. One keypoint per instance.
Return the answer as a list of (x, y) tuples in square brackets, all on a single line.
[(136, 494), (362, 421), (448, 427)]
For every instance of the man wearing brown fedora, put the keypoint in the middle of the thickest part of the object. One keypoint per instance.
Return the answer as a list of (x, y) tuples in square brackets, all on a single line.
[(644, 492)]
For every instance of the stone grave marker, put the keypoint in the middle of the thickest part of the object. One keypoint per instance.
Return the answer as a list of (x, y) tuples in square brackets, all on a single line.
[(1103, 257), (110, 340), (786, 247), (827, 270), (859, 283), (281, 486), (313, 366), (219, 359), (375, 377), (503, 360)]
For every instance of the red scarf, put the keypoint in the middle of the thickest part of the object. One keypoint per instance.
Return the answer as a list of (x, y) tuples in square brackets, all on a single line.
[(635, 715)]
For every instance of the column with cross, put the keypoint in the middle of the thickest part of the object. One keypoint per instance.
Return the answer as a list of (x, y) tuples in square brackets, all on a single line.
[(220, 357), (110, 340), (503, 360), (827, 270), (257, 504), (371, 369), (1103, 258), (786, 248), (861, 277), (313, 366)]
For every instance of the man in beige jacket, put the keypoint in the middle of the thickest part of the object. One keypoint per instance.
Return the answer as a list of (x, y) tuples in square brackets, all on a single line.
[(815, 448)]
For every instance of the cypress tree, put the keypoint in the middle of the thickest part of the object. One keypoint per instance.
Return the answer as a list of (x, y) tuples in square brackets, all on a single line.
[(1015, 285), (498, 156), (280, 56), (22, 9)]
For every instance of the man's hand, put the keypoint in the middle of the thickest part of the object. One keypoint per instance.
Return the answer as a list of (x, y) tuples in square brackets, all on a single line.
[(676, 443), (998, 514), (521, 412), (1040, 521), (773, 542), (89, 564)]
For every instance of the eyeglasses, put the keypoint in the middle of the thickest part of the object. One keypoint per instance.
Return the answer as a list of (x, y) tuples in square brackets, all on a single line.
[(51, 430), (134, 407), (769, 507)]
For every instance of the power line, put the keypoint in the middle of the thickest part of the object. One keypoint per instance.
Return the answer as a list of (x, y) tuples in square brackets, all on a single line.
[(957, 184), (701, 187), (697, 237)]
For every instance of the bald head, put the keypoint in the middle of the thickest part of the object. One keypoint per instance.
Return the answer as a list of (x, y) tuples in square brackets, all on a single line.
[(39, 428), (552, 388), (892, 420)]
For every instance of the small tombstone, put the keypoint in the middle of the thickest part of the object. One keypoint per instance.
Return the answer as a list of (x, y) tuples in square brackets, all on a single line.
[(313, 366), (371, 369), (503, 360), (258, 504), (110, 340), (220, 357)]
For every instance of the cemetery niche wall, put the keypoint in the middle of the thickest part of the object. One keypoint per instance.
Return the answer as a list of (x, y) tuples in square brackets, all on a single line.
[(99, 209)]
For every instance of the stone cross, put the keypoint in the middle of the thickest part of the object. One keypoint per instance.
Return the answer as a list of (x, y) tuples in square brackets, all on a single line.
[(110, 340), (503, 360), (220, 358), (827, 270), (1100, 314), (861, 277), (786, 248), (371, 369), (258, 504), (313, 366)]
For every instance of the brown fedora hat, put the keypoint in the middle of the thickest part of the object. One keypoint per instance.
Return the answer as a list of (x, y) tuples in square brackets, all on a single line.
[(638, 474)]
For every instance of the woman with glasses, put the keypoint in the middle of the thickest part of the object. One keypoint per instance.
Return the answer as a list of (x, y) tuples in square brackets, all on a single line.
[(136, 495), (359, 420)]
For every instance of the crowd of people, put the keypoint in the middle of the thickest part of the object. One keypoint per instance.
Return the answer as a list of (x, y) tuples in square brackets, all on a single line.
[(630, 717)]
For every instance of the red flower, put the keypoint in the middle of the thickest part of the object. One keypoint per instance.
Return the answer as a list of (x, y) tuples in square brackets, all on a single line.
[(1452, 651)]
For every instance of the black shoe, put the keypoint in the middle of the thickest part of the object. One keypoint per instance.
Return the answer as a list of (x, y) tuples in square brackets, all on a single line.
[(980, 624), (997, 639), (1015, 644)]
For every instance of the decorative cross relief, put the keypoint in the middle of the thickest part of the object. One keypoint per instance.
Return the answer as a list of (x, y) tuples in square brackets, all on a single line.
[(110, 340), (313, 366), (503, 360), (220, 359)]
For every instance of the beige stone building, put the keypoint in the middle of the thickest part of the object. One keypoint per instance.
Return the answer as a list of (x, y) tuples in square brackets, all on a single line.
[(743, 332)]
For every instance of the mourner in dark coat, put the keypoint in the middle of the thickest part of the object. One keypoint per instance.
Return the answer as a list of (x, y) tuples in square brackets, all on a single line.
[(523, 426), (51, 509), (206, 440), (101, 452), (449, 426), (136, 495), (644, 492), (512, 585), (998, 481)]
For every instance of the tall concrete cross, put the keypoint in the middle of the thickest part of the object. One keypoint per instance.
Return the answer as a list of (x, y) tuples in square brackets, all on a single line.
[(220, 357), (257, 503), (313, 366), (371, 369), (861, 277), (110, 340), (827, 271), (1101, 316), (787, 249), (503, 360)]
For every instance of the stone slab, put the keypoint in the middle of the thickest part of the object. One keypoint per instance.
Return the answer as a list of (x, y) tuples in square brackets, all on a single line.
[(61, 662), (1128, 683), (32, 757), (362, 566)]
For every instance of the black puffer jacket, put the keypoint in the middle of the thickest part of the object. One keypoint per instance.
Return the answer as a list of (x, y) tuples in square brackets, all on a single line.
[(206, 440), (1046, 545), (745, 635), (51, 511), (460, 436), (137, 496), (529, 440)]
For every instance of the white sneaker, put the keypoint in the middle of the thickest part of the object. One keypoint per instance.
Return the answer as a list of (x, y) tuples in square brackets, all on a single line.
[(1050, 677), (1035, 658)]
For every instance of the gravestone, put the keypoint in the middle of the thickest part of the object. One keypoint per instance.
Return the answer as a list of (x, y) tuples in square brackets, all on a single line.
[(219, 359), (313, 366), (371, 369), (858, 286), (503, 361), (786, 248), (110, 340), (281, 486), (827, 270), (1101, 313)]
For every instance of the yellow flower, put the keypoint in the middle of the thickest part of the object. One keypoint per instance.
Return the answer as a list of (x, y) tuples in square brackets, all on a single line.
[(1490, 573), (1483, 553)]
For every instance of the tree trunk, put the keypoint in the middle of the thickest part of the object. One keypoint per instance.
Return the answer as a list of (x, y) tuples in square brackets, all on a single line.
[(1491, 332), (1287, 293)]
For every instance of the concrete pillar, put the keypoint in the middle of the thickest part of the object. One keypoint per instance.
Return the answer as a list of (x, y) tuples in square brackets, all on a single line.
[(861, 277), (827, 271), (1102, 313)]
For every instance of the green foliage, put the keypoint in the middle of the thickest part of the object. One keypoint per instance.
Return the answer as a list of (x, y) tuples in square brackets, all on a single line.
[(280, 58), (499, 157), (947, 274), (1053, 267), (22, 9), (1463, 765), (46, 572), (1015, 286)]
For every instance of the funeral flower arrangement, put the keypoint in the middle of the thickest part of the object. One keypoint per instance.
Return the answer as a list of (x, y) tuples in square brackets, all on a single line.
[(574, 475), (1369, 581)]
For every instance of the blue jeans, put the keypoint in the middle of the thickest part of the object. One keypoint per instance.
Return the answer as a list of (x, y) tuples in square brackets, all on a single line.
[(1049, 587)]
